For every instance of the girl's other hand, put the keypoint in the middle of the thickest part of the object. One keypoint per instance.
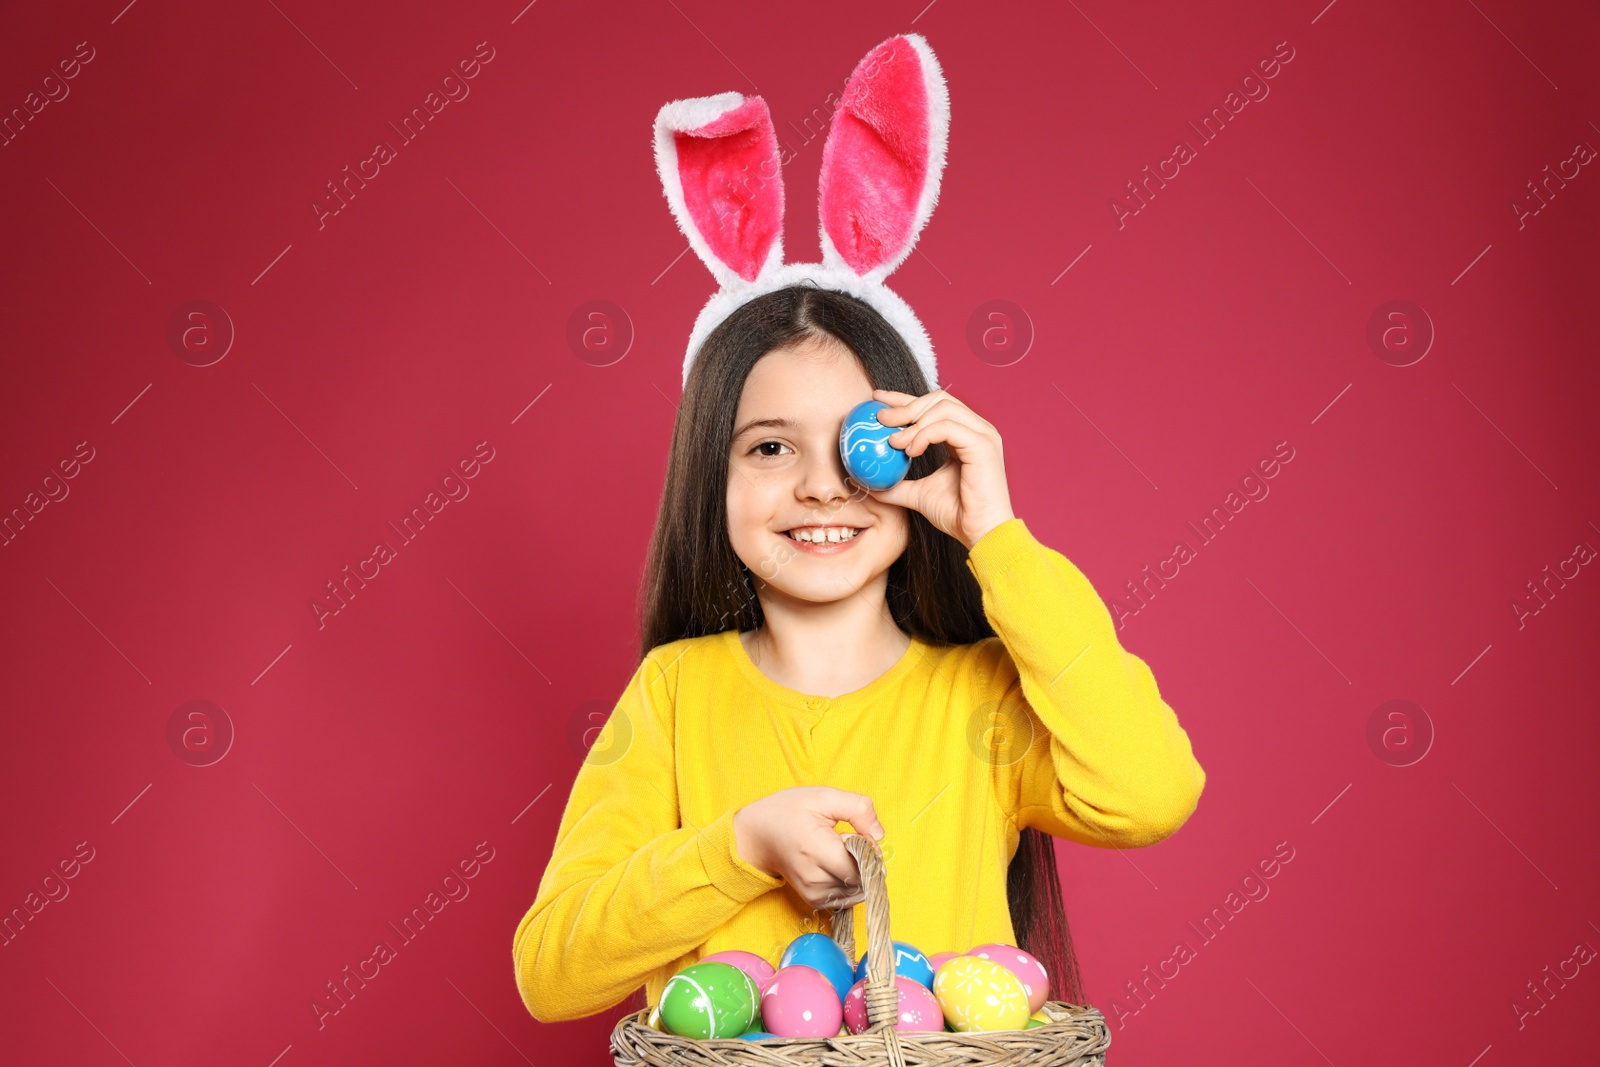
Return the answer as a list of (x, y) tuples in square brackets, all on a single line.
[(791, 832), (968, 496)]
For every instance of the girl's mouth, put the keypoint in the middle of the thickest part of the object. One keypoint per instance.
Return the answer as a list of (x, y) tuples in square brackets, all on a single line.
[(824, 540)]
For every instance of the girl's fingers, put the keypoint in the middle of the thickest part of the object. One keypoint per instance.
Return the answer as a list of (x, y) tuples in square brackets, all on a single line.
[(944, 413), (849, 901), (857, 810), (957, 434), (915, 493), (954, 411), (907, 408), (834, 861), (902, 494)]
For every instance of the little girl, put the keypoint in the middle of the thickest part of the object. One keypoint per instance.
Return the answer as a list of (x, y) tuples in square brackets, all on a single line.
[(911, 663)]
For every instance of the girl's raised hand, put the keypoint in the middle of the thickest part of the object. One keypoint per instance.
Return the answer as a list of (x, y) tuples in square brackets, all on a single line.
[(968, 496), (791, 832)]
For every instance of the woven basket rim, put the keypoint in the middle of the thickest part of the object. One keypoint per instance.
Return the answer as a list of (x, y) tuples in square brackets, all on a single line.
[(1079, 1041), (1080, 1013)]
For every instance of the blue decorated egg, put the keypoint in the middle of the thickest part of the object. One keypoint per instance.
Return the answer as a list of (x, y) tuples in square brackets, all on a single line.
[(864, 447), (822, 954), (909, 962)]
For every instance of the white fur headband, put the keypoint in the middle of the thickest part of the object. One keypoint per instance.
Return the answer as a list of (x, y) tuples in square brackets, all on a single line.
[(720, 169)]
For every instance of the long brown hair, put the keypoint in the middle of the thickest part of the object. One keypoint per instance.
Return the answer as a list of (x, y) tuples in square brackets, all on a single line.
[(696, 585)]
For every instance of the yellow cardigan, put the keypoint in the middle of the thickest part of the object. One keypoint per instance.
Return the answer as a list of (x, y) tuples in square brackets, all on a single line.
[(1049, 725)]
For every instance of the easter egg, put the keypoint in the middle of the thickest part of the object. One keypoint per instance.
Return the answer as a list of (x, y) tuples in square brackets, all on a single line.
[(759, 970), (908, 960), (939, 959), (980, 994), (654, 1022), (864, 447), (1028, 969), (755, 1035), (708, 1000), (918, 1009), (1038, 1018), (800, 1002), (822, 954)]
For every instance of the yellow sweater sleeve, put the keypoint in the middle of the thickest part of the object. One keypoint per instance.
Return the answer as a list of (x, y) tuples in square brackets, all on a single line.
[(1108, 764), (628, 889)]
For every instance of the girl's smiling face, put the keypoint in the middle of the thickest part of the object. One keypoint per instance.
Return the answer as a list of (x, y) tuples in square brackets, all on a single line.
[(785, 474)]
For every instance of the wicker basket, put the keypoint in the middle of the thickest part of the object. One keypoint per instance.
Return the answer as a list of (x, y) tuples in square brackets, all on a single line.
[(1077, 1038)]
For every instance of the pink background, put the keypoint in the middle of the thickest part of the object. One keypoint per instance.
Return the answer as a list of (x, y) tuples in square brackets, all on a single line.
[(444, 706)]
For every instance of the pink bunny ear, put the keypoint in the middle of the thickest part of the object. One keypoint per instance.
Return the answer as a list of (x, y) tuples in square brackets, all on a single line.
[(719, 166), (884, 157)]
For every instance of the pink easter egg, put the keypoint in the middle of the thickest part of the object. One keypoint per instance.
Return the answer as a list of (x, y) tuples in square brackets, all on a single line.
[(918, 1008), (800, 1002), (759, 970), (939, 959), (1029, 970)]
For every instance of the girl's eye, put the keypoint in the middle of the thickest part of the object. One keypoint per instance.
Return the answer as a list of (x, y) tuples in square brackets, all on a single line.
[(766, 444)]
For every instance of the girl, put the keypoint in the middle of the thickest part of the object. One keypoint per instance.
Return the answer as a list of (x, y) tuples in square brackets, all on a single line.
[(910, 662)]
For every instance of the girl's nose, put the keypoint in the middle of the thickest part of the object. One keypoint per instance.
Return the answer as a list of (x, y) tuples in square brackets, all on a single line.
[(823, 478)]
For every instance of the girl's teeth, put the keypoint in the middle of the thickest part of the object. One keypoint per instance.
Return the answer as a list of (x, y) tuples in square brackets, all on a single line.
[(832, 534)]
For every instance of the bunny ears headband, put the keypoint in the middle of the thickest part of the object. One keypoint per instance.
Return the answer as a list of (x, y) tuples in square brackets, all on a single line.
[(720, 169)]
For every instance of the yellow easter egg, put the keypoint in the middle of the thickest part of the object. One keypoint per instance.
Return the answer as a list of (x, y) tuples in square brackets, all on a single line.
[(979, 994)]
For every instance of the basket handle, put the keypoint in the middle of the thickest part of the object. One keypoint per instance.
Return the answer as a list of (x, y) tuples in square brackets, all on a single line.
[(882, 994)]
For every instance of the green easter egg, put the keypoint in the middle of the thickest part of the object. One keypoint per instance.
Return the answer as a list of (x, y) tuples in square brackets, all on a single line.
[(709, 1000)]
